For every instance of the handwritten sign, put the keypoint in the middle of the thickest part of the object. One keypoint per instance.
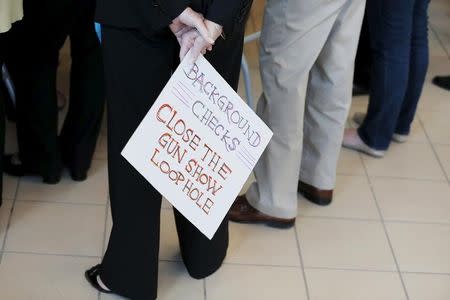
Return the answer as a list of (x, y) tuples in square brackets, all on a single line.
[(198, 144)]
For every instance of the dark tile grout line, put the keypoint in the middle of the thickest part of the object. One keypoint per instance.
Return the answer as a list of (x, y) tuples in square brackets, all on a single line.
[(374, 271), (52, 254), (8, 224), (385, 228), (435, 153), (205, 293), (393, 177), (390, 221), (351, 269), (305, 279), (439, 40), (64, 203)]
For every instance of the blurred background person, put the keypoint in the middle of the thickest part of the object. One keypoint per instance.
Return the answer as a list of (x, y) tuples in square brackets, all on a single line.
[(10, 12), (44, 29), (399, 41)]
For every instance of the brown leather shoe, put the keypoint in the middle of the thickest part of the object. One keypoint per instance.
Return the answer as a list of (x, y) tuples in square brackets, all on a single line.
[(242, 212), (315, 195)]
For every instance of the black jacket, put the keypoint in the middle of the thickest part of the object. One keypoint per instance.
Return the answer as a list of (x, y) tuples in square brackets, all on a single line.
[(153, 16)]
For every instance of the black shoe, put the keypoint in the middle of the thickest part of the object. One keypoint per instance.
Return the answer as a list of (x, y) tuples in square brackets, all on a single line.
[(14, 167), (92, 277), (315, 195), (78, 175), (442, 82)]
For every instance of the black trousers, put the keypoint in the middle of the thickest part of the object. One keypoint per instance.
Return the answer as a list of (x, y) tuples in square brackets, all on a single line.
[(136, 70), (363, 61), (44, 29)]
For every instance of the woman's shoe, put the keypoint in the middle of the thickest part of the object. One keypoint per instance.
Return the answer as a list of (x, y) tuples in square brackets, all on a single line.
[(12, 165), (78, 175), (358, 119), (442, 82), (354, 142), (92, 276)]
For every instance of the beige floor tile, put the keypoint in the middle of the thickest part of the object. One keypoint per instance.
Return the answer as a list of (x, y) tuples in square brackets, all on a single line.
[(56, 228), (255, 283), (421, 247), (9, 186), (166, 204), (249, 245), (344, 244), (169, 248), (443, 152), (5, 212), (437, 124), (354, 285), (352, 199), (92, 191), (434, 98), (44, 277), (350, 163), (439, 64), (409, 160), (435, 46), (174, 284), (427, 287), (411, 200)]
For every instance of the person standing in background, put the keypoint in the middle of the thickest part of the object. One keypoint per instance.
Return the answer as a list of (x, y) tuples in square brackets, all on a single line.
[(11, 11), (140, 50), (399, 39), (33, 68), (363, 61), (307, 57)]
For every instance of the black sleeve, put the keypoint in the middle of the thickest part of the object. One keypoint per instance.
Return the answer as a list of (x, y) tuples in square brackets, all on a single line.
[(156, 15), (172, 8), (228, 13)]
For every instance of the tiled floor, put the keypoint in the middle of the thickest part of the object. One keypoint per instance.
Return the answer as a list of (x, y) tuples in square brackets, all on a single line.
[(386, 236)]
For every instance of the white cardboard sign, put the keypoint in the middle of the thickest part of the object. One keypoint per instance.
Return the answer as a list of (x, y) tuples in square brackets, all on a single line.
[(198, 144)]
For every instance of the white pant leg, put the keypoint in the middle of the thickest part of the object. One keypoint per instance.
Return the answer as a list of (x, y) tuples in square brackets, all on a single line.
[(294, 32), (329, 97)]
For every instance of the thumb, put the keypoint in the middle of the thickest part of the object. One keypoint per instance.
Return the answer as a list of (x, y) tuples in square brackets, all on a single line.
[(202, 29)]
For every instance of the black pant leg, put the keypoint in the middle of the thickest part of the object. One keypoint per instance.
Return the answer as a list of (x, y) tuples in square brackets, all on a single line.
[(136, 70), (202, 256), (43, 31), (363, 60), (83, 121)]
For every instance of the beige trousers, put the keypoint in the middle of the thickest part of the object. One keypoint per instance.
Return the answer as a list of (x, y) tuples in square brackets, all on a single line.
[(10, 12), (307, 56)]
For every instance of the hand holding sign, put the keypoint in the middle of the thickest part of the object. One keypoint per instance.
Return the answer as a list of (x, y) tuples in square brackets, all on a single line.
[(194, 33), (198, 144)]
